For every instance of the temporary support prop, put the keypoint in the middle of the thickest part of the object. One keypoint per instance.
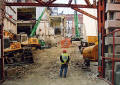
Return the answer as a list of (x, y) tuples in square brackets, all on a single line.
[(2, 7)]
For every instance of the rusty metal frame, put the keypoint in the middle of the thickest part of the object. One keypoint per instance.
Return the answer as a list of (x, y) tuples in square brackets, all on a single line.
[(85, 13), (101, 29), (41, 2), (101, 22), (50, 5), (88, 2), (1, 38), (113, 59), (100, 18), (50, 2)]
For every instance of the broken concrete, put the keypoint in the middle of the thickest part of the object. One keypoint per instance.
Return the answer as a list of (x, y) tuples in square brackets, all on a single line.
[(112, 24), (116, 1), (109, 40), (109, 75), (117, 34), (117, 78), (117, 67), (111, 55), (112, 7), (117, 49), (116, 16)]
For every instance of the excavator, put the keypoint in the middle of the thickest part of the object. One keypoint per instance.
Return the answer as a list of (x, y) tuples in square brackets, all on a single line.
[(17, 47), (77, 34), (11, 47), (32, 41), (13, 50)]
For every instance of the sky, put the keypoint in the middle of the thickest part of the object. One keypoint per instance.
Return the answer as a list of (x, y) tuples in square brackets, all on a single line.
[(71, 11), (90, 24)]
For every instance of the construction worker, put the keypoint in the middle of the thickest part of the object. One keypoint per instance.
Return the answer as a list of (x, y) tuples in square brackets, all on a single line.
[(64, 58)]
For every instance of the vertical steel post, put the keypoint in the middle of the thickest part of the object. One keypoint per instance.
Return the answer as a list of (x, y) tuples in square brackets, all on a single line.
[(99, 39), (113, 62), (101, 23), (103, 38), (2, 9)]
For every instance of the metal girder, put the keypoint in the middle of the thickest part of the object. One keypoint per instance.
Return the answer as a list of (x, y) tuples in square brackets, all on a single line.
[(70, 1), (88, 2), (41, 2), (51, 1), (50, 5), (85, 13)]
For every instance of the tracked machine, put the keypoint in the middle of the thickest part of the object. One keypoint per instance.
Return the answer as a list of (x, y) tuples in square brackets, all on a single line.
[(13, 50)]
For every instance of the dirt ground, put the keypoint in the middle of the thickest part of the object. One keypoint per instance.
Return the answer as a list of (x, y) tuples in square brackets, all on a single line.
[(45, 70)]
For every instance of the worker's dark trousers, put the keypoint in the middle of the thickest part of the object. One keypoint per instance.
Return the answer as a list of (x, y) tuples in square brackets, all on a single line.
[(65, 68)]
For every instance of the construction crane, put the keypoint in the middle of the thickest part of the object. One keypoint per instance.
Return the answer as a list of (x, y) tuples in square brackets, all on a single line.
[(32, 40), (36, 25), (77, 34)]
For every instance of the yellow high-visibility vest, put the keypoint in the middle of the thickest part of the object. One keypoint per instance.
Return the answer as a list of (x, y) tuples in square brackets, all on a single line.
[(64, 58)]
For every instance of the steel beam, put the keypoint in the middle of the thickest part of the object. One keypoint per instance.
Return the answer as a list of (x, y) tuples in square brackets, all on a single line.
[(50, 1), (50, 5), (41, 2), (85, 13), (2, 15), (88, 2)]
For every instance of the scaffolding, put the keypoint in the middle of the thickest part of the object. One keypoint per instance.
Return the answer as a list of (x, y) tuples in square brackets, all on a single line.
[(106, 63)]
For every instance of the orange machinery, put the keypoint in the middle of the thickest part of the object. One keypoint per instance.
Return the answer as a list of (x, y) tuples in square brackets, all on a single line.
[(8, 34), (91, 53), (11, 47), (13, 52), (25, 41), (13, 44), (92, 40)]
